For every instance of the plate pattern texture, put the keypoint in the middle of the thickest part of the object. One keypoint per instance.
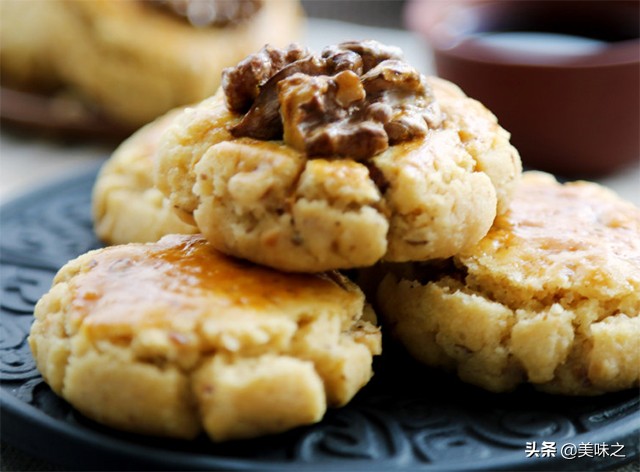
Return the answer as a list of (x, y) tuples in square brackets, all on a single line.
[(408, 417)]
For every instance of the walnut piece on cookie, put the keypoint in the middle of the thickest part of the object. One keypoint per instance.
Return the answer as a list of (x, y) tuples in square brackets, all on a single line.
[(126, 206), (173, 337), (308, 162), (551, 296)]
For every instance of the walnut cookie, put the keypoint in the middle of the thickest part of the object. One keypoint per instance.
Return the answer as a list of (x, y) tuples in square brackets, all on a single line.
[(309, 162), (172, 338), (551, 296), (126, 205)]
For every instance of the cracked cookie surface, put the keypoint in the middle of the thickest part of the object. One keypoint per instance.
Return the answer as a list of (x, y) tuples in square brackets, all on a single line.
[(429, 197), (172, 338), (551, 296)]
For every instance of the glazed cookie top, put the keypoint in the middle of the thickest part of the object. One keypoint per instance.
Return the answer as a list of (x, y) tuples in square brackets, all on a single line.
[(578, 235), (126, 285), (314, 161)]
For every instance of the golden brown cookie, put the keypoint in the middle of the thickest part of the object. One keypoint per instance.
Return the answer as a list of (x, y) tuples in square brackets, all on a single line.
[(343, 159), (126, 205), (136, 59), (25, 59), (551, 296), (171, 338)]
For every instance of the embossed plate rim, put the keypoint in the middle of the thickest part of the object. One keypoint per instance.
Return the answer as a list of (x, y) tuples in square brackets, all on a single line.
[(125, 452)]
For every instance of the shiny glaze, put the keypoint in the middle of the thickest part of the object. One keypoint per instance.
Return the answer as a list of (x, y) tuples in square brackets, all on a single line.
[(183, 275), (559, 227)]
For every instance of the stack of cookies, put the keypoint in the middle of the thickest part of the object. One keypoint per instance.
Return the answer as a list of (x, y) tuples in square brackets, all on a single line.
[(301, 165)]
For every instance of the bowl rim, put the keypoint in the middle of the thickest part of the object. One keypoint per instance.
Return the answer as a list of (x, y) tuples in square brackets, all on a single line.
[(465, 45)]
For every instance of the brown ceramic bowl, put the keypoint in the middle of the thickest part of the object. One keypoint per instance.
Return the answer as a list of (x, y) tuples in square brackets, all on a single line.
[(562, 76)]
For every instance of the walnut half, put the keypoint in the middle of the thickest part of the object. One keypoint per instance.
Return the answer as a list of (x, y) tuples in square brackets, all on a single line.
[(321, 116), (353, 100)]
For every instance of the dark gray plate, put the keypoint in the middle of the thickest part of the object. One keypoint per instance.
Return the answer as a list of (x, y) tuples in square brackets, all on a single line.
[(408, 417)]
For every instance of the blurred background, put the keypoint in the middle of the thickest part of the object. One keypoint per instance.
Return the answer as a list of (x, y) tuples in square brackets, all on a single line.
[(384, 13)]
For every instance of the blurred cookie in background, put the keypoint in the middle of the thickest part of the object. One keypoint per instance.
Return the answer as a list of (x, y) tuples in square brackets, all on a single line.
[(130, 61)]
